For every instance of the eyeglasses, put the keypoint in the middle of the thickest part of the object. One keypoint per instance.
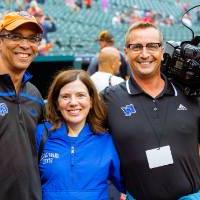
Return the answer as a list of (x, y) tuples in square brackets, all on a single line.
[(152, 47), (18, 38)]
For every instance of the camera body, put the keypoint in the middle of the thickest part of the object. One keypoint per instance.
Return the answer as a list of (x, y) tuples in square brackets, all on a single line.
[(181, 64)]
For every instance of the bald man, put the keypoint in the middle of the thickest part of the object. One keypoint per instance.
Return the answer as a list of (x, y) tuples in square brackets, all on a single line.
[(106, 39), (109, 64)]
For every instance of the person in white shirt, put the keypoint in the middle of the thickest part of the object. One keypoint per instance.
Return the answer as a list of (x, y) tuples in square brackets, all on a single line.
[(109, 63)]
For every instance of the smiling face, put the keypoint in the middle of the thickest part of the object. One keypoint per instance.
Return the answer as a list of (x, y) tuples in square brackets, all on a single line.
[(74, 104), (145, 63), (16, 56)]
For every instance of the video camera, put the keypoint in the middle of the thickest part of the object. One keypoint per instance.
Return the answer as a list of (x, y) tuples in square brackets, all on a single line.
[(181, 64)]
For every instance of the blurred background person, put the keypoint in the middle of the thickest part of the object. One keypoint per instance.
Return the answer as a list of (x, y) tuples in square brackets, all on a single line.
[(33, 8), (109, 63), (88, 3), (106, 39), (48, 26)]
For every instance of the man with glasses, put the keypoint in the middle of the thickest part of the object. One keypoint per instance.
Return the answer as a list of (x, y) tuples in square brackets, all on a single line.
[(21, 107), (156, 128)]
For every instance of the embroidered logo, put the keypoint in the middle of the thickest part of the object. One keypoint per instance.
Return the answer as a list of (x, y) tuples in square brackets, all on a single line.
[(3, 109), (128, 110), (181, 107), (48, 157)]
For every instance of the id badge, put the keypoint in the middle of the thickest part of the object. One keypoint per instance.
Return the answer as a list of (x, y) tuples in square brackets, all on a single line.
[(159, 157)]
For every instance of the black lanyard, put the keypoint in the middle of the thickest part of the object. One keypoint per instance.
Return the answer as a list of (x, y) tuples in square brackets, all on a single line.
[(109, 80)]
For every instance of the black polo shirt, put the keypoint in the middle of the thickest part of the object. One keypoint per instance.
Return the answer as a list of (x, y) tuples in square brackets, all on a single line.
[(139, 123)]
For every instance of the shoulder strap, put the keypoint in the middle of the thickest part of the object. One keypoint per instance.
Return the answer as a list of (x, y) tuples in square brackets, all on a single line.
[(109, 80), (45, 136)]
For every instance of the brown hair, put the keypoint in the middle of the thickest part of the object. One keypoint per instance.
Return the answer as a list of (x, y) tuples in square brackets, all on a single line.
[(106, 36), (141, 25), (97, 114)]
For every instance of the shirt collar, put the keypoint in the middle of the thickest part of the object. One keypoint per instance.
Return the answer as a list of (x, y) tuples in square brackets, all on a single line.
[(134, 89), (85, 131), (26, 77)]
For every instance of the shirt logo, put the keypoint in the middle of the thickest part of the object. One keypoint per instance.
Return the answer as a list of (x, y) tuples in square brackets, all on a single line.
[(128, 110), (49, 157), (3, 109), (181, 107)]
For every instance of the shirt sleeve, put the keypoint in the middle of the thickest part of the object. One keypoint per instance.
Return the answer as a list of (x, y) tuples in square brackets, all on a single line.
[(38, 135), (93, 66), (115, 171)]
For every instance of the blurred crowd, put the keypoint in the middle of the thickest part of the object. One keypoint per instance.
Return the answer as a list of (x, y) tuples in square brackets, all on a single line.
[(128, 16), (136, 14)]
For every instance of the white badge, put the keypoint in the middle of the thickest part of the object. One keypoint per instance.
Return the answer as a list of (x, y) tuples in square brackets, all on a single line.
[(159, 157)]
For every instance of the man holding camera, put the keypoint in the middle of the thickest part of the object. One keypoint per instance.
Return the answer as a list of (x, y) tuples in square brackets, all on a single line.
[(156, 128)]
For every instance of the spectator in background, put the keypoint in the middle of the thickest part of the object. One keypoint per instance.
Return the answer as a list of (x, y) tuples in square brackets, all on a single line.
[(148, 16), (88, 3), (187, 20), (116, 19), (79, 156), (34, 8), (105, 39), (166, 21), (185, 6), (109, 63), (78, 4), (75, 5), (104, 5), (44, 47), (48, 25), (21, 107), (133, 17), (69, 3)]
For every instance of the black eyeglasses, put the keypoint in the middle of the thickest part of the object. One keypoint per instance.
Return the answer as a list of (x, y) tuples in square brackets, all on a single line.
[(152, 47), (15, 37)]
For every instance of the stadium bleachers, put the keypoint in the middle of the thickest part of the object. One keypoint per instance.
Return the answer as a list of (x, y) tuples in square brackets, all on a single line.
[(77, 30)]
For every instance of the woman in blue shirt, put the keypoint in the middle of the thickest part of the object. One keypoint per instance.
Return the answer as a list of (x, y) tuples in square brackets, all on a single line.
[(79, 156)]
